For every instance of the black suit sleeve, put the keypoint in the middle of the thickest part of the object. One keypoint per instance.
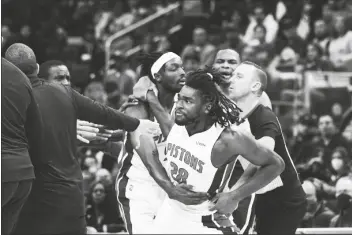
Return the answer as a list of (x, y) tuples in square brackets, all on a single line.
[(92, 111), (33, 127)]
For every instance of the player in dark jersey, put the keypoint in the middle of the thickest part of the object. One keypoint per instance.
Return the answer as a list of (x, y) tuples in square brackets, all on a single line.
[(281, 205)]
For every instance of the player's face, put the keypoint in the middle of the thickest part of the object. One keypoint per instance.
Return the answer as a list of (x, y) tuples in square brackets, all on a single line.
[(59, 74), (173, 75), (226, 62), (190, 106), (241, 82)]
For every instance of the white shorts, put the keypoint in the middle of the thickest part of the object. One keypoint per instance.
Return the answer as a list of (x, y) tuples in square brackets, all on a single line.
[(139, 204), (172, 220)]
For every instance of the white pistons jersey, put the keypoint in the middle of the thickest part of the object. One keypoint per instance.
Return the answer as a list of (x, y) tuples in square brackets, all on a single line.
[(189, 162)]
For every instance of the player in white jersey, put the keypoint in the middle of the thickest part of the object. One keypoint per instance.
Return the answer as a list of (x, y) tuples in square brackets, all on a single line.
[(138, 183), (199, 147)]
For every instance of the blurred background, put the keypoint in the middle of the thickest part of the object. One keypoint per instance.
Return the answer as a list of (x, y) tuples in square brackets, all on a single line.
[(304, 45)]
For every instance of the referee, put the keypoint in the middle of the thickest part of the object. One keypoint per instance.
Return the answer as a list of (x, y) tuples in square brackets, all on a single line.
[(56, 202), (281, 205)]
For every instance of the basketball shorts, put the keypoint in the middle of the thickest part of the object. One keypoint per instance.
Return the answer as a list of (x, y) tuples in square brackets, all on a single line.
[(139, 203), (174, 220)]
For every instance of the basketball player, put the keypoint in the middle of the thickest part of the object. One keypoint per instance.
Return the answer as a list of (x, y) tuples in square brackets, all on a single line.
[(226, 61), (199, 146), (281, 205), (138, 188)]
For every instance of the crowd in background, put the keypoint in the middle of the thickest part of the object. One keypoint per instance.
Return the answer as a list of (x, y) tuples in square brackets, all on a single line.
[(281, 36)]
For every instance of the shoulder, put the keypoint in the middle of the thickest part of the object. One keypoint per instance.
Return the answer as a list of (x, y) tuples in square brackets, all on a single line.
[(138, 110), (263, 114), (11, 73)]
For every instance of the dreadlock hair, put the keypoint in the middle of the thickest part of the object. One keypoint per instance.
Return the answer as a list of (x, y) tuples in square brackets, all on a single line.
[(224, 111), (147, 61)]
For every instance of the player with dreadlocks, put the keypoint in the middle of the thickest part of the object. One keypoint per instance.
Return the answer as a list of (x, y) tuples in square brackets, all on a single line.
[(204, 138), (142, 183)]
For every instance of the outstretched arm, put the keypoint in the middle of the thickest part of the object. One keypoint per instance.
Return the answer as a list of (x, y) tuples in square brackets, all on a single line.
[(270, 166), (251, 169)]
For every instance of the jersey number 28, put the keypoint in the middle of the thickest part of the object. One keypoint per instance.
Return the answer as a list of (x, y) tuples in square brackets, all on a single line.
[(178, 174)]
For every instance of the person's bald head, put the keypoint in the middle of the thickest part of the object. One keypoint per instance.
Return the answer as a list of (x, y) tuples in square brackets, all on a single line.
[(226, 61), (23, 57)]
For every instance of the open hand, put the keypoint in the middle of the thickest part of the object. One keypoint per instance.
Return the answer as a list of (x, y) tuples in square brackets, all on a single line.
[(224, 204), (184, 194), (87, 131)]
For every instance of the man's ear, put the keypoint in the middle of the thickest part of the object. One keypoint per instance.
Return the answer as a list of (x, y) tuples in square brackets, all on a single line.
[(256, 86), (208, 107), (157, 77), (38, 67)]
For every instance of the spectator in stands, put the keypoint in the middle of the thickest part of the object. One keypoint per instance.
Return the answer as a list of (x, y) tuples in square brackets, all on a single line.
[(259, 33), (340, 47), (303, 134), (317, 215), (121, 73), (104, 176), (340, 163), (191, 62), (233, 38), (329, 138), (305, 21), (344, 203), (288, 37), (55, 71), (261, 18), (96, 92), (163, 44), (102, 214), (321, 35), (200, 46), (313, 60), (337, 112), (346, 127)]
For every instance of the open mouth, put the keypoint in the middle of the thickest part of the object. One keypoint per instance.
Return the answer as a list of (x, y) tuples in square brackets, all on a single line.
[(182, 83), (226, 75)]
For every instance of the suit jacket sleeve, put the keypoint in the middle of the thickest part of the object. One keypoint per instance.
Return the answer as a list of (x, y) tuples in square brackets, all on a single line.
[(92, 111)]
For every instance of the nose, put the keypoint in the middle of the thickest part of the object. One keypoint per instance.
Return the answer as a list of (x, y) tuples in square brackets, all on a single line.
[(225, 65), (179, 104)]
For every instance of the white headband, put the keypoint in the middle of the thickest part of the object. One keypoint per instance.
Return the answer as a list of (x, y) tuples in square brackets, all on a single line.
[(161, 61)]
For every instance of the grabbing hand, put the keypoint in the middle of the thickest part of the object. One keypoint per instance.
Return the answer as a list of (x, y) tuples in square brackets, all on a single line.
[(142, 87), (87, 131), (184, 194), (224, 204)]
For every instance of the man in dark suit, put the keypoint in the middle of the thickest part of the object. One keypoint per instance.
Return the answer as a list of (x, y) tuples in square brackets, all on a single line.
[(20, 127)]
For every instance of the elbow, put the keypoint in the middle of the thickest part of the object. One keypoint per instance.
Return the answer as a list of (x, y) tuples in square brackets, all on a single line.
[(280, 164)]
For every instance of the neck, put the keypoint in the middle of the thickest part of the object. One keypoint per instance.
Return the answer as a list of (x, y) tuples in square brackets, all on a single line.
[(166, 97), (247, 104), (199, 126)]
